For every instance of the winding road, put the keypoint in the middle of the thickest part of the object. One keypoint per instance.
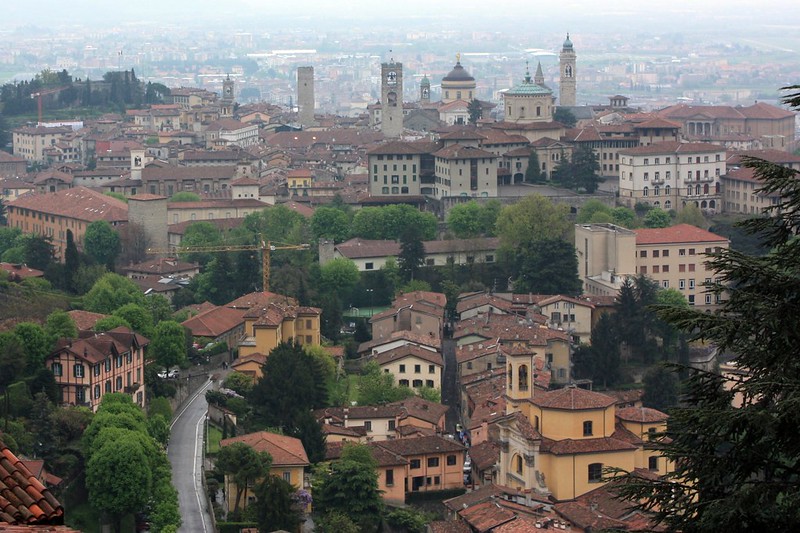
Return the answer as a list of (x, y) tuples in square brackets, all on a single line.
[(185, 453)]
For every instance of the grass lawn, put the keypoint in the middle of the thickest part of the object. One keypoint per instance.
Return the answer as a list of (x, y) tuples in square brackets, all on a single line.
[(352, 389), (214, 436)]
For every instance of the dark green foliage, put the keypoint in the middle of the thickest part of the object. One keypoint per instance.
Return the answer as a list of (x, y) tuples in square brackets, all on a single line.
[(308, 430), (350, 487), (293, 383), (102, 243), (274, 506), (548, 267), (218, 283), (534, 174), (409, 520), (736, 468), (475, 110), (37, 344), (71, 262), (600, 362), (660, 388), (244, 465), (38, 251), (111, 322), (565, 116), (412, 253), (111, 292), (139, 318), (585, 169), (330, 223), (60, 325), (657, 218), (168, 345), (390, 221), (377, 387), (471, 219)]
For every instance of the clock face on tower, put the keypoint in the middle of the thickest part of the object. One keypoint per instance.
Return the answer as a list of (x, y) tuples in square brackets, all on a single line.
[(391, 77), (227, 91), (425, 92)]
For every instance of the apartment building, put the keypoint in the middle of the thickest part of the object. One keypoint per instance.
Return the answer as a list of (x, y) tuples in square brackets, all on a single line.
[(671, 174), (87, 368), (31, 143), (398, 168), (674, 257), (740, 187)]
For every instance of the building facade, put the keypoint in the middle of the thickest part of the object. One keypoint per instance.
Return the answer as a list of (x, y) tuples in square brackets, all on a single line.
[(567, 60), (392, 99), (305, 96)]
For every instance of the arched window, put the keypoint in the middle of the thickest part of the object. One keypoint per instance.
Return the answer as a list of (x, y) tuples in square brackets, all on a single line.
[(705, 188), (668, 204), (697, 190), (656, 191), (703, 204), (666, 190), (712, 204), (522, 111), (716, 188), (646, 191), (523, 377), (518, 464)]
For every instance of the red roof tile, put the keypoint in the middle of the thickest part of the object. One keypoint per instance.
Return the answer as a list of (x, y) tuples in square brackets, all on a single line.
[(23, 498), (80, 203), (573, 398), (285, 451), (644, 415), (215, 322), (85, 320), (680, 233)]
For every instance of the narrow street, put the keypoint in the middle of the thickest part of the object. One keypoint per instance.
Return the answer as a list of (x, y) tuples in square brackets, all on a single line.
[(449, 386), (185, 454)]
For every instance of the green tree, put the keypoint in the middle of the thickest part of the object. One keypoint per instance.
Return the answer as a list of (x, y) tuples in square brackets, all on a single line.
[(139, 318), (600, 361), (39, 253), (388, 222), (168, 345), (657, 218), (337, 522), (239, 382), (111, 322), (111, 292), (350, 487), (72, 262), (534, 174), (244, 465), (660, 388), (691, 214), (624, 216), (198, 235), (548, 266), (464, 220), (565, 116), (562, 174), (218, 284), (735, 468), (125, 491), (376, 387), (475, 110), (330, 223), (60, 325), (293, 382), (585, 169), (412, 253), (275, 508), (590, 209), (534, 218), (36, 341), (339, 275), (12, 358), (102, 243), (307, 429)]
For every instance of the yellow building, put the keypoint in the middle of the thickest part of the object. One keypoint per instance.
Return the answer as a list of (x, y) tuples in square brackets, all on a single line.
[(413, 366), (559, 442), (289, 462), (280, 320)]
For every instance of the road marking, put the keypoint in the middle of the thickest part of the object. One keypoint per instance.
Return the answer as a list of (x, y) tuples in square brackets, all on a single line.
[(193, 398), (198, 441)]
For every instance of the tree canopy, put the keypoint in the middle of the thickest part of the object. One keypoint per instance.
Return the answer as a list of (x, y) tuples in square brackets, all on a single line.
[(102, 243), (471, 219), (533, 218), (735, 468)]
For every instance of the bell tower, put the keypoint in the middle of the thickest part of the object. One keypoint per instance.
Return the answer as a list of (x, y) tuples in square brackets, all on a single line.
[(392, 98), (567, 85), (425, 90), (520, 367), (226, 107)]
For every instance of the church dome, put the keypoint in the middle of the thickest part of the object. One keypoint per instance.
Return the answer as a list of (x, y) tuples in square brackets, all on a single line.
[(458, 73), (567, 42), (425, 81)]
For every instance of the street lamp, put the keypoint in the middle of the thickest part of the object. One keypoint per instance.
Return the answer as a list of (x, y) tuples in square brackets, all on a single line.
[(370, 291)]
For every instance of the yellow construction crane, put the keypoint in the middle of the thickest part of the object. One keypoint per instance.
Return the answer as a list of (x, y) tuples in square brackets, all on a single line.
[(264, 246)]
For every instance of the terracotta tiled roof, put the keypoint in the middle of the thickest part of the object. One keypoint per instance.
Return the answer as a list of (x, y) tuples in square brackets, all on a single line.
[(463, 133), (259, 358), (453, 526), (657, 123), (578, 446), (46, 175), (680, 233), (773, 156), (213, 155), (644, 415), (359, 412), (285, 451), (479, 300), (333, 451), (421, 409), (485, 455), (215, 322), (626, 397), (80, 203), (573, 398), (409, 350), (85, 320), (96, 347), (36, 529), (403, 335), (765, 111), (400, 147), (421, 446), (22, 271), (457, 151), (162, 266), (584, 517), (331, 429), (23, 498), (259, 299), (486, 516)]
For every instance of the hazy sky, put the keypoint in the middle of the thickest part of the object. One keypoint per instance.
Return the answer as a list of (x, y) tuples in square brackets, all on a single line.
[(582, 15)]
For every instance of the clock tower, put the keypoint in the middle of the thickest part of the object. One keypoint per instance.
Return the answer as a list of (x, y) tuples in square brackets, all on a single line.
[(567, 86), (425, 90), (392, 99), (226, 107)]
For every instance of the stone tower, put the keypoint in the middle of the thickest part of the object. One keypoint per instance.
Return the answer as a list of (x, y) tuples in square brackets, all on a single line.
[(425, 90), (392, 99), (305, 96), (226, 104), (567, 87)]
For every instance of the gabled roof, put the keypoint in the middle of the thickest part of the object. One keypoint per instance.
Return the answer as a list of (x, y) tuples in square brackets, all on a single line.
[(680, 233), (85, 320), (23, 498), (80, 203), (403, 335), (285, 451), (422, 446), (96, 347), (457, 151), (573, 399), (643, 415), (214, 322), (409, 350), (421, 409)]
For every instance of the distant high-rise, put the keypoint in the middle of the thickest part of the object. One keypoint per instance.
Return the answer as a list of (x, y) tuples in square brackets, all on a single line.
[(392, 99), (567, 85), (305, 96)]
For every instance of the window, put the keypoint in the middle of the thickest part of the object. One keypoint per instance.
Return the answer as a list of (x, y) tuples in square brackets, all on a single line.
[(642, 269), (681, 268), (108, 365), (390, 478), (402, 369), (368, 425), (391, 425), (643, 253), (451, 460), (403, 383), (595, 472), (433, 462), (415, 464), (691, 299), (97, 392), (431, 369), (665, 268), (691, 283), (108, 385), (656, 269), (708, 299), (119, 361), (56, 369), (417, 369), (587, 428), (681, 284), (652, 463), (665, 284), (287, 477), (119, 383), (664, 253), (369, 266), (691, 251), (416, 383), (691, 267), (80, 394), (655, 253), (77, 370)]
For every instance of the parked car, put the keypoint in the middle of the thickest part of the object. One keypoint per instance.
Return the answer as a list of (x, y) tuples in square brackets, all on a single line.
[(169, 374)]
